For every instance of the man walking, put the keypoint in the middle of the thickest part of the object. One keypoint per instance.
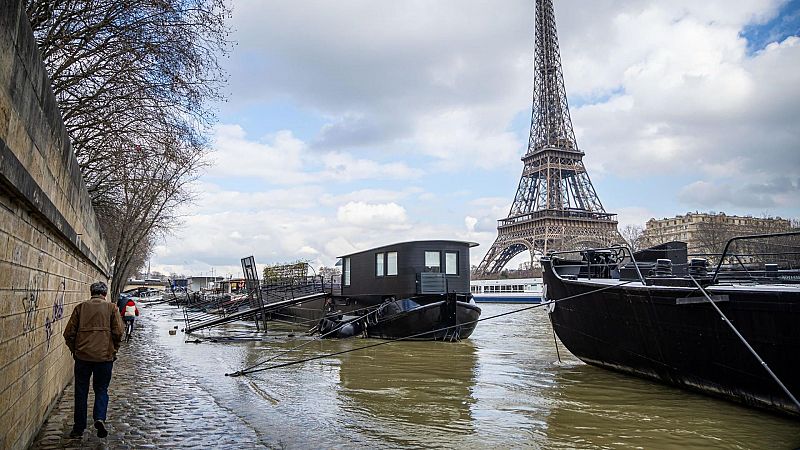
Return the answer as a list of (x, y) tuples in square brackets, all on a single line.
[(93, 335)]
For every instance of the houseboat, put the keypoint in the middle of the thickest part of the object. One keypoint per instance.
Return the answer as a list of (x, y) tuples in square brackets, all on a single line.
[(519, 290), (415, 290)]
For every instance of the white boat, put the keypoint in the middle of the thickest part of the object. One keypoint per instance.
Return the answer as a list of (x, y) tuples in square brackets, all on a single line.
[(519, 290), (148, 296)]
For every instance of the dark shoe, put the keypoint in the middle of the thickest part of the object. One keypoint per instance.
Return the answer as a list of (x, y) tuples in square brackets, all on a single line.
[(101, 428), (75, 434)]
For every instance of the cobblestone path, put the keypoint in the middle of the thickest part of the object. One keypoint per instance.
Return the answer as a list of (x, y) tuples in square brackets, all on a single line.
[(152, 405)]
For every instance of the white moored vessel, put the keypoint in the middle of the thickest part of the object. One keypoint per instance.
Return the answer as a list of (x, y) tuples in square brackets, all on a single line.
[(519, 290)]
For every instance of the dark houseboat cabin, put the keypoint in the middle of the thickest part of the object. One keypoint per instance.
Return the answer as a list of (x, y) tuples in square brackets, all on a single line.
[(407, 269), (412, 290)]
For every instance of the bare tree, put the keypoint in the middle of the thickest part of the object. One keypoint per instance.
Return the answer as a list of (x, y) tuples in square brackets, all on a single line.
[(134, 81), (713, 235), (633, 236), (148, 198)]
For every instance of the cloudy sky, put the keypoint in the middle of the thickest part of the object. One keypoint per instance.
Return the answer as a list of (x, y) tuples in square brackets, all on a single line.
[(357, 123)]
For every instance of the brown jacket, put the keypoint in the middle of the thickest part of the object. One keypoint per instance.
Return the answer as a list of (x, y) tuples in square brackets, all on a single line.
[(94, 330)]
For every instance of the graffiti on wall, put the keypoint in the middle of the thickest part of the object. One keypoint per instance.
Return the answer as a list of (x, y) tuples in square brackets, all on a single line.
[(57, 313), (30, 304)]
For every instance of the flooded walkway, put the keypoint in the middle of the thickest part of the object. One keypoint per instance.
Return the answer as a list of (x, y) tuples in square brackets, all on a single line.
[(503, 387), (152, 405)]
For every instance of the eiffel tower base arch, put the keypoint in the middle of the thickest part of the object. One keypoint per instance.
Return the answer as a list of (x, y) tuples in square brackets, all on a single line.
[(546, 236)]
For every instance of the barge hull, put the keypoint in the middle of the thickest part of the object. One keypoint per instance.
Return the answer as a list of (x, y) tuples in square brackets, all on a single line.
[(656, 333)]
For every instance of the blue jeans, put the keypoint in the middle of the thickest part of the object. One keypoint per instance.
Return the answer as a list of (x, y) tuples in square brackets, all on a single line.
[(100, 372)]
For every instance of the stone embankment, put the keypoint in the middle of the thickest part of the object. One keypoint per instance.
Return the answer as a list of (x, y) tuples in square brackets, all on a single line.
[(51, 248)]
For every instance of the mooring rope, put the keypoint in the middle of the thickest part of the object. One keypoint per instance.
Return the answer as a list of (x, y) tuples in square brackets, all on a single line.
[(252, 369), (747, 344), (247, 370)]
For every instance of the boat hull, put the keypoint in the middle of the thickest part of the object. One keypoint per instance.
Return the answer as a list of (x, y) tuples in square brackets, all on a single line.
[(440, 321), (432, 315), (675, 336)]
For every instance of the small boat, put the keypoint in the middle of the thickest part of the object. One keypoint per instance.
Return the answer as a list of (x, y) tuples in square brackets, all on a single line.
[(415, 290), (731, 332), (519, 290)]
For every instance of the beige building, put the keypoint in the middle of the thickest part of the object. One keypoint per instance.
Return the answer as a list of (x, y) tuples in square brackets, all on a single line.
[(708, 232)]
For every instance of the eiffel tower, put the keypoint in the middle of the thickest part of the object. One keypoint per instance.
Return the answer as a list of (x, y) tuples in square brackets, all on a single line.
[(556, 206)]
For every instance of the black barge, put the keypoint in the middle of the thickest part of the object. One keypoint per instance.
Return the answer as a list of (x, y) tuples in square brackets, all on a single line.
[(643, 315)]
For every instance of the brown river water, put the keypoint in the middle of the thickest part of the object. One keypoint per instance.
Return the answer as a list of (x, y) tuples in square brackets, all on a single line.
[(501, 388)]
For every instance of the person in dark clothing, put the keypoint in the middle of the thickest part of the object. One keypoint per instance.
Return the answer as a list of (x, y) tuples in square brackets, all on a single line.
[(93, 335), (122, 301)]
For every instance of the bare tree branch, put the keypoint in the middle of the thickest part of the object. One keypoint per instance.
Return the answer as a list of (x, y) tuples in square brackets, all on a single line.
[(135, 80)]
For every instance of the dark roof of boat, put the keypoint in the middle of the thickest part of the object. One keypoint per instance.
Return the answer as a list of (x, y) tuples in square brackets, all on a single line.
[(396, 244)]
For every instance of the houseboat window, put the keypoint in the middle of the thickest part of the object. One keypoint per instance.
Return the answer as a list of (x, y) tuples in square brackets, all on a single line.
[(346, 264), (391, 263), (379, 264), (433, 262), (451, 263)]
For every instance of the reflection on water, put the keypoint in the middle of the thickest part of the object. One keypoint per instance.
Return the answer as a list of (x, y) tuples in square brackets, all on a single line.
[(410, 390), (595, 408), (503, 387)]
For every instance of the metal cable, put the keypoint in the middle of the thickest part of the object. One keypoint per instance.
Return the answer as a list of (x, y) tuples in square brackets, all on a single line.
[(744, 341), (318, 338), (291, 363)]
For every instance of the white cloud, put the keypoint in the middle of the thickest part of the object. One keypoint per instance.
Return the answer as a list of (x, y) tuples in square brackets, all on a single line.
[(369, 195), (283, 159), (367, 215), (278, 160), (435, 80), (765, 196), (470, 223), (466, 137), (634, 215), (214, 198), (670, 85), (689, 99), (342, 167)]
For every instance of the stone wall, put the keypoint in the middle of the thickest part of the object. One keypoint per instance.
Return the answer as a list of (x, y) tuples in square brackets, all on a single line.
[(50, 245)]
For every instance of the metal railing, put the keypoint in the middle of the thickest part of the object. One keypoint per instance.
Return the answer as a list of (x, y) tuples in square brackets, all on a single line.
[(214, 310), (555, 213), (764, 258), (750, 260)]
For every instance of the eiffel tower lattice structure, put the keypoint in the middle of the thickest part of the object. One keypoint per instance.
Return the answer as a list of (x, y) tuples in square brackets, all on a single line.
[(556, 206)]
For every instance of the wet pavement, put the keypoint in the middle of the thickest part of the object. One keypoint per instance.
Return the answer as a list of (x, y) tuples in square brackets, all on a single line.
[(152, 405)]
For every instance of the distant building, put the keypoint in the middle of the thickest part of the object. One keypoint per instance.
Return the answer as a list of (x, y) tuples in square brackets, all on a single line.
[(233, 285), (197, 284), (708, 232), (149, 283)]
